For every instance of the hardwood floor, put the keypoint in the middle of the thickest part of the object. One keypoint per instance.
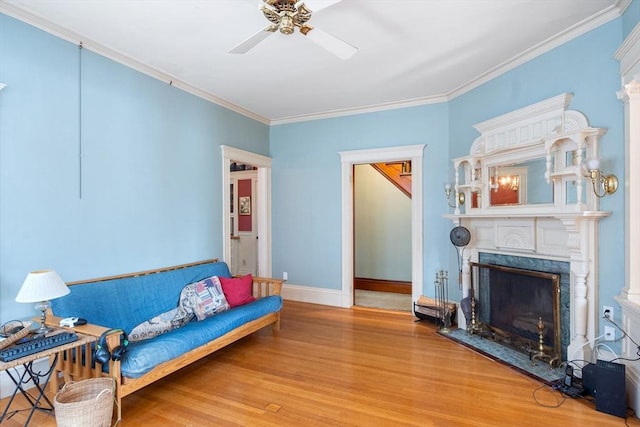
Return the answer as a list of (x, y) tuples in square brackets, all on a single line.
[(349, 367)]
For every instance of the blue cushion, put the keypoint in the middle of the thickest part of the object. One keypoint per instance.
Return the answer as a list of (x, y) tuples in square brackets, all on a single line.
[(125, 303), (142, 356)]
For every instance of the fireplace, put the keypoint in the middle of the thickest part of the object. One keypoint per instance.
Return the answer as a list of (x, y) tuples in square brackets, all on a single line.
[(524, 271), (518, 308), (562, 230)]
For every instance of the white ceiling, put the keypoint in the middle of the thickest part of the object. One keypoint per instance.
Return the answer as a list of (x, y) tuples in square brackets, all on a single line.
[(410, 51)]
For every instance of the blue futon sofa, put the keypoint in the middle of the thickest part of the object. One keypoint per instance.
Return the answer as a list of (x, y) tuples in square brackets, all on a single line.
[(123, 302)]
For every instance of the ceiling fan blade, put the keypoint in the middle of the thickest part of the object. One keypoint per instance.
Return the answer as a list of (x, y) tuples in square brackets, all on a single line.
[(252, 41), (316, 5), (339, 48)]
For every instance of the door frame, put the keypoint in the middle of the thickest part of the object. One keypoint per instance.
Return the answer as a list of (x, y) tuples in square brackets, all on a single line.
[(349, 158), (263, 211)]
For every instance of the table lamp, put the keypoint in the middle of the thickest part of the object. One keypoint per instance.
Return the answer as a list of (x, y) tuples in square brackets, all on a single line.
[(40, 286)]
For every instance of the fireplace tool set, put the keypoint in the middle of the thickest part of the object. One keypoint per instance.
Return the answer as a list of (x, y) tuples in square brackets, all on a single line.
[(441, 284)]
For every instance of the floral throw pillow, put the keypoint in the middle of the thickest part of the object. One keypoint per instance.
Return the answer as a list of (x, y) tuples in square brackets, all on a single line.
[(206, 297)]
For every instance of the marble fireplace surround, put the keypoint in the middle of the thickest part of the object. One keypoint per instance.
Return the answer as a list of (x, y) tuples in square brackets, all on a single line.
[(564, 239), (564, 230), (560, 268)]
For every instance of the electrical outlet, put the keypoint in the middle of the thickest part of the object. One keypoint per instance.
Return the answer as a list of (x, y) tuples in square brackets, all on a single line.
[(609, 333), (607, 312), (285, 276)]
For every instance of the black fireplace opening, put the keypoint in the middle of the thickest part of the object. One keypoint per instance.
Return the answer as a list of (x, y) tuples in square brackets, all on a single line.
[(518, 307)]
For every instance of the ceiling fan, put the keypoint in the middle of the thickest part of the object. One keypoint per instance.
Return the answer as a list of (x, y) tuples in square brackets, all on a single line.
[(285, 16)]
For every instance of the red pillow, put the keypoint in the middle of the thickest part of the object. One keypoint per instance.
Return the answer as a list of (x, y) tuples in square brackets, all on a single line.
[(237, 290)]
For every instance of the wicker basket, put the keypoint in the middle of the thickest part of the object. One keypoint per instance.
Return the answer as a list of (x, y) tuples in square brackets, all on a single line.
[(85, 403), (5, 331)]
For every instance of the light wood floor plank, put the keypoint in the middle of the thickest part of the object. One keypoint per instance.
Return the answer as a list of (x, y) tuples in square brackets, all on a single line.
[(329, 366)]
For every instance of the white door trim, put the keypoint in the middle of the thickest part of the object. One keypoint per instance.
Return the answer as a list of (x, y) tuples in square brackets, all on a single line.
[(263, 194), (349, 158)]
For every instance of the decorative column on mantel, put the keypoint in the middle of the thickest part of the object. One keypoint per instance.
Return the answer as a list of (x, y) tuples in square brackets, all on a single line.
[(582, 245)]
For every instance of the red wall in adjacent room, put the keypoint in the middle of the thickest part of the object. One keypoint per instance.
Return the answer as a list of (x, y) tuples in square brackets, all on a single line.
[(244, 189)]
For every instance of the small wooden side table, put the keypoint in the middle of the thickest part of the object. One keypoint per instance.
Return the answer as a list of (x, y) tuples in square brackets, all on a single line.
[(39, 379)]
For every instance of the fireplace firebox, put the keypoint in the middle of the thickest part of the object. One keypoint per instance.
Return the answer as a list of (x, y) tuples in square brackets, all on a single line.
[(518, 308)]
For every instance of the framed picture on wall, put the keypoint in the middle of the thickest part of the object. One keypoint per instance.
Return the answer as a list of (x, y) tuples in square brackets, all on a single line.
[(245, 205)]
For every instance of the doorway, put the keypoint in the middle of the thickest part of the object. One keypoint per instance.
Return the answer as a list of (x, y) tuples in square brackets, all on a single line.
[(243, 216), (382, 235), (262, 204), (348, 160)]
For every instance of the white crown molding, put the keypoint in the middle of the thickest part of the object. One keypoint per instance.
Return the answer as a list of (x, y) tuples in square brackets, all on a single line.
[(361, 110), (571, 33), (628, 54), (114, 55), (559, 39)]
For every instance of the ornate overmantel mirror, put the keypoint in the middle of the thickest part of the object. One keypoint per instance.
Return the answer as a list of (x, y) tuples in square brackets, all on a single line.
[(532, 159)]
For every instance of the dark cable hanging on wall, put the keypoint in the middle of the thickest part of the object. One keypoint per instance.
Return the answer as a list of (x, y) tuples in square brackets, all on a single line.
[(80, 120)]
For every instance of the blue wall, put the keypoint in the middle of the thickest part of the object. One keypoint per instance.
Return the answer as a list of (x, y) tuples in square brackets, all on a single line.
[(151, 166), (631, 17), (306, 187), (307, 165)]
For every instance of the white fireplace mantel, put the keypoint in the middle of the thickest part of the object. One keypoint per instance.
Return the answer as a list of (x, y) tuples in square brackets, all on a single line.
[(565, 237), (564, 228)]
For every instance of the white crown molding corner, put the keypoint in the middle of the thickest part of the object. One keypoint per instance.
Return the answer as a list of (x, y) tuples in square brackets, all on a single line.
[(551, 43), (622, 6), (435, 99), (628, 54)]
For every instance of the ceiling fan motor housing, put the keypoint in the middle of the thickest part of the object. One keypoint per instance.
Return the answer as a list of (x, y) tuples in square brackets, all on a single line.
[(286, 14)]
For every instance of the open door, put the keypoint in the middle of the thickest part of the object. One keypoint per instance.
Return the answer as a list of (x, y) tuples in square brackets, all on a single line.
[(262, 204)]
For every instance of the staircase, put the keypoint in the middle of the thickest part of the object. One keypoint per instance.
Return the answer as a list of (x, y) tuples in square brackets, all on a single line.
[(398, 173)]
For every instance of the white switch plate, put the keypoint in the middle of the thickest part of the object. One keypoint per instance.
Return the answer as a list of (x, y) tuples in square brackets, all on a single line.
[(285, 276)]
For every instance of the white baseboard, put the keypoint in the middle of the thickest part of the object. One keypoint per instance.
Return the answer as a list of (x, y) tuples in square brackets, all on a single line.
[(7, 386), (313, 295)]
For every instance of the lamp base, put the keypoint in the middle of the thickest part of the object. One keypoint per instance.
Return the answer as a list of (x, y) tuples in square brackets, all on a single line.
[(43, 306), (42, 330)]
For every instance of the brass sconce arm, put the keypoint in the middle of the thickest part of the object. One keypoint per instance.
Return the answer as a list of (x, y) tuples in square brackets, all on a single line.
[(603, 184), (459, 194)]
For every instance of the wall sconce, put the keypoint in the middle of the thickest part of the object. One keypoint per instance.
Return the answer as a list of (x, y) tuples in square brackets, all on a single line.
[(607, 184), (458, 194)]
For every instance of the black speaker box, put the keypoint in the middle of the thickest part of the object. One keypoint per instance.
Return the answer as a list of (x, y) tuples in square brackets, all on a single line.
[(589, 379), (610, 391)]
